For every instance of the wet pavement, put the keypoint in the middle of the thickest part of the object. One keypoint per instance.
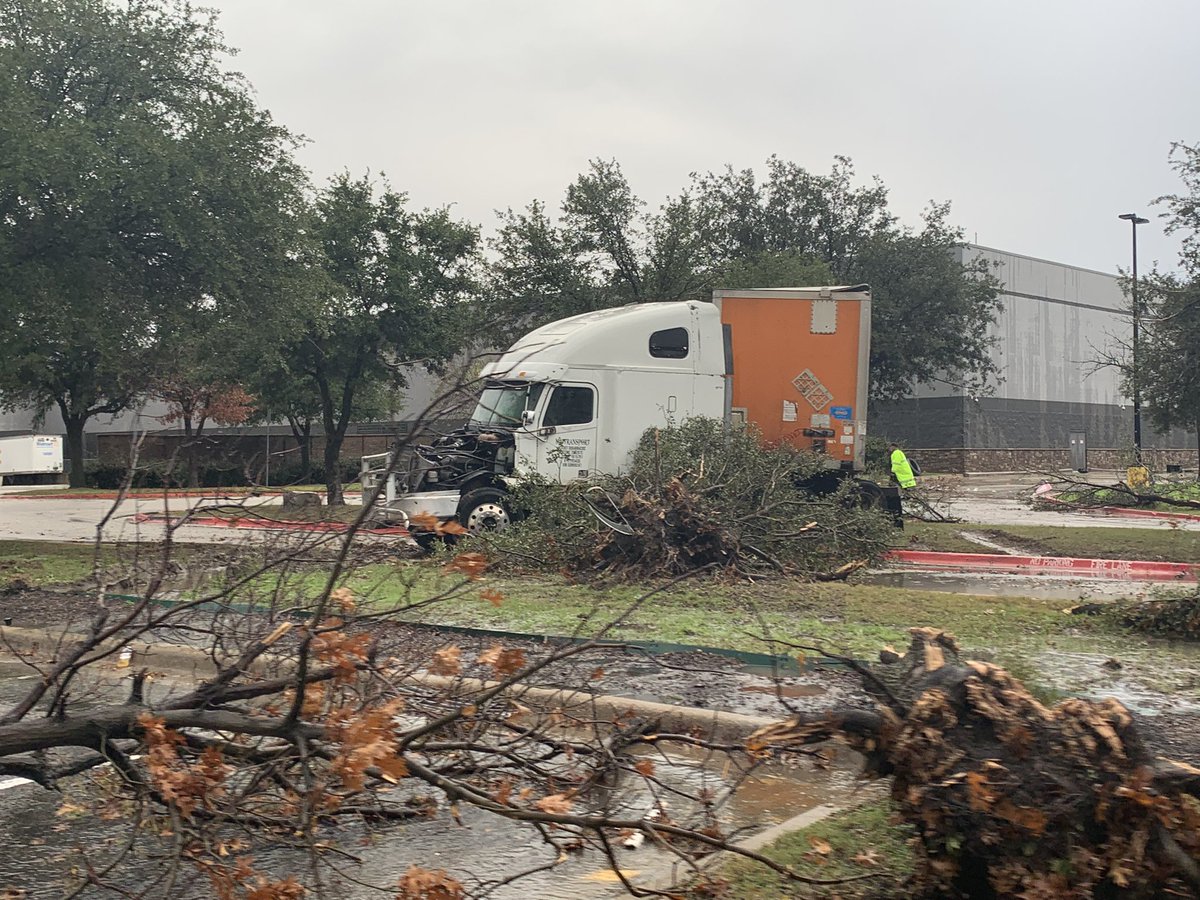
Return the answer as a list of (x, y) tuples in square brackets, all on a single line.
[(1097, 675), (983, 501), (49, 837), (992, 584), (75, 519)]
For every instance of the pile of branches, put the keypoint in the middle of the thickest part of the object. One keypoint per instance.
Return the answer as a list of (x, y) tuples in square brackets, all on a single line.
[(1177, 618), (1011, 798), (697, 498), (1072, 493)]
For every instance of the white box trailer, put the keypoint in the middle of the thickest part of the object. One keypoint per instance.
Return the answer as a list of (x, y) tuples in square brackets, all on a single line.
[(31, 454)]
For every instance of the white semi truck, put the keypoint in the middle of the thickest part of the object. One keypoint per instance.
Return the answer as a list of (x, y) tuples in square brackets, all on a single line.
[(572, 399)]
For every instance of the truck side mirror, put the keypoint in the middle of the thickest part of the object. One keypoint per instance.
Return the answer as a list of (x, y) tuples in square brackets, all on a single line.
[(527, 417)]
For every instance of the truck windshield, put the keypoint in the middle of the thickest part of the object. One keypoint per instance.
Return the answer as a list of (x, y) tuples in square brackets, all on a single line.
[(503, 402)]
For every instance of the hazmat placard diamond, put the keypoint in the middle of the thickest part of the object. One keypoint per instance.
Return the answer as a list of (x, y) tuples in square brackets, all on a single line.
[(810, 387)]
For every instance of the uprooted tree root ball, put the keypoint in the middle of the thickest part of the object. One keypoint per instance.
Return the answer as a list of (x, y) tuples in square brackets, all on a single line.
[(697, 498), (1011, 798)]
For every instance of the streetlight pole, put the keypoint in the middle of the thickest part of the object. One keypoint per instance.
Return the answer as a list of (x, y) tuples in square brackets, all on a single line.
[(1134, 221)]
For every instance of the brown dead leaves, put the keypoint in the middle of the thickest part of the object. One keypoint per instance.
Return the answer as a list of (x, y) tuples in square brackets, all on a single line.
[(183, 785), (343, 599), (429, 884), (471, 565), (428, 523), (366, 741), (342, 651), (503, 661), (447, 661), (555, 804), (241, 881)]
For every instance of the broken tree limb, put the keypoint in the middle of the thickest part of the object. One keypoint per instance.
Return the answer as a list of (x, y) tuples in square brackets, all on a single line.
[(1010, 797)]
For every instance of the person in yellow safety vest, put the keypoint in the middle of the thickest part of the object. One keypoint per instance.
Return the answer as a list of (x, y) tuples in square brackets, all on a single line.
[(901, 468)]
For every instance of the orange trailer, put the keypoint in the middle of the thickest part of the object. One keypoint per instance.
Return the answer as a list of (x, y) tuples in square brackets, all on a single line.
[(797, 366)]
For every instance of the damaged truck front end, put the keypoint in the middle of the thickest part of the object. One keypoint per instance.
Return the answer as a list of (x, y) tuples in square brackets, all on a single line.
[(460, 474)]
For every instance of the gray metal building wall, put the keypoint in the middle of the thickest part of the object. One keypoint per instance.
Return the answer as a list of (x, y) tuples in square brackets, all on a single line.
[(1057, 323)]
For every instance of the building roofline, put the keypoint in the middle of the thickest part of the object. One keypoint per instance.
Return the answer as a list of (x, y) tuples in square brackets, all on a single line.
[(1052, 262)]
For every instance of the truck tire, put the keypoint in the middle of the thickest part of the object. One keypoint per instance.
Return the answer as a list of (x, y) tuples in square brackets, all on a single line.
[(870, 495), (484, 509)]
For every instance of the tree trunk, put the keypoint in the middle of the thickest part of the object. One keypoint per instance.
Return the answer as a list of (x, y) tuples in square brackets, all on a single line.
[(75, 423), (189, 450), (303, 435), (333, 468)]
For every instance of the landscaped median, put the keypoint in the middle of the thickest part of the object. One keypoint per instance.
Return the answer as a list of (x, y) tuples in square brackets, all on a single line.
[(1029, 636), (1159, 543)]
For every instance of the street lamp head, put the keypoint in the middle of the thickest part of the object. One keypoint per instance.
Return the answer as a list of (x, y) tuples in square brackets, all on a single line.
[(1134, 218)]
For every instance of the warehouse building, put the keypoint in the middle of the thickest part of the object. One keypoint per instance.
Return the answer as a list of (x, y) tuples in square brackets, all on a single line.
[(1054, 406), (1054, 397)]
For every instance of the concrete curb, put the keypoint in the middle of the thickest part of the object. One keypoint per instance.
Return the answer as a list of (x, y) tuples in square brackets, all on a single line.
[(717, 726), (758, 842)]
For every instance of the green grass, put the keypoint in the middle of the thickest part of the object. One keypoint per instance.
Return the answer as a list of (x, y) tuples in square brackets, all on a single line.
[(936, 536), (44, 564), (41, 564), (1021, 633), (1026, 635), (1158, 543), (847, 834)]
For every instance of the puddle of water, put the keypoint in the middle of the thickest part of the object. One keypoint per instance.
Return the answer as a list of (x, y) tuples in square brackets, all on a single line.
[(789, 691), (1046, 587), (1087, 675)]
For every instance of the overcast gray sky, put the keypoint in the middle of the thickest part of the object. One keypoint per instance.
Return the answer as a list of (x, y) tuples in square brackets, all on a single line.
[(1040, 121)]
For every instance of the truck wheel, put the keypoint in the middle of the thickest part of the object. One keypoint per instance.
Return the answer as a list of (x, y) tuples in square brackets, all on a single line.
[(484, 509), (870, 495)]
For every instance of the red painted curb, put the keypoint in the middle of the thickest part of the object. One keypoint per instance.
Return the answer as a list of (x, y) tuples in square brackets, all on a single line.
[(1134, 570), (268, 524), (1118, 511), (112, 495), (1134, 512)]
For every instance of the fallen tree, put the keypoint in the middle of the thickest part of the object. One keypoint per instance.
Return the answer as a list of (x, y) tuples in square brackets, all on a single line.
[(311, 729), (697, 498), (1072, 493), (1009, 797)]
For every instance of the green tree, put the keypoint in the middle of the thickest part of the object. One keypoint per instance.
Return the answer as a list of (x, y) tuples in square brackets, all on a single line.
[(293, 397), (1169, 352), (930, 313), (1168, 359), (728, 229), (137, 177), (394, 282), (536, 275)]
